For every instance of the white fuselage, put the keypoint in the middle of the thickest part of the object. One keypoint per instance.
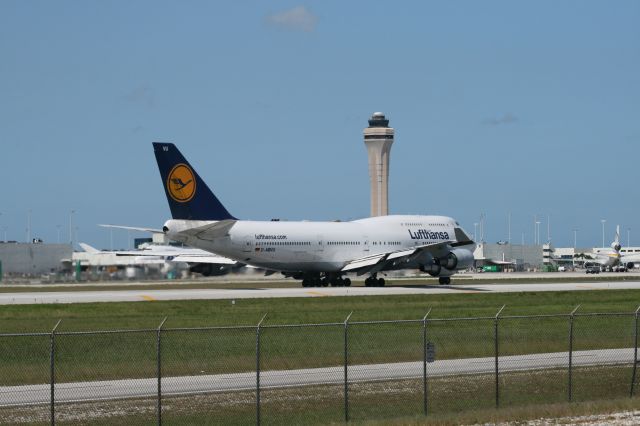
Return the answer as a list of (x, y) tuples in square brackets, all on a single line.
[(316, 246)]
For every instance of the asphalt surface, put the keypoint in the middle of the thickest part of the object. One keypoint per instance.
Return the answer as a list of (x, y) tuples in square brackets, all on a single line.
[(146, 388), (125, 295)]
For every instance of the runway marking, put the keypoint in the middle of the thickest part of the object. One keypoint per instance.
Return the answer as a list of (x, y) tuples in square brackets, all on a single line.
[(317, 293), (148, 298)]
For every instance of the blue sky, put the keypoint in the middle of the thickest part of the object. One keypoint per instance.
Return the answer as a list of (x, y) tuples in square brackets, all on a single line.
[(525, 107)]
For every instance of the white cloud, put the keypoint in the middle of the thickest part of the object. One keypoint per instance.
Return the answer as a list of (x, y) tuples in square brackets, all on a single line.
[(297, 19), (507, 118), (142, 95)]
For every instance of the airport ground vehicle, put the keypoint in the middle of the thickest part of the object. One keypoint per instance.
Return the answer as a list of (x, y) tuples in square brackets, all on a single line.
[(593, 269)]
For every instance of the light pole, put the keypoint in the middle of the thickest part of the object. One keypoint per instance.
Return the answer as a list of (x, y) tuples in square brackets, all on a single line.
[(628, 237), (548, 229), (29, 226), (575, 238), (475, 231), (71, 227), (58, 227), (538, 231), (603, 222)]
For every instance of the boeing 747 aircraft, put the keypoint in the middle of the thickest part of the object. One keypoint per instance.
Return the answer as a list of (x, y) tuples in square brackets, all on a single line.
[(318, 253)]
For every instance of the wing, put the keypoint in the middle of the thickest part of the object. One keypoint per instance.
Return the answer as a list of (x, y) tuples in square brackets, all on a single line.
[(178, 255), (217, 260), (381, 261)]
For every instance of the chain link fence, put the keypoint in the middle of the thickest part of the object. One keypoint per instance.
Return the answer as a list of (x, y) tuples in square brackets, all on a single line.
[(315, 373)]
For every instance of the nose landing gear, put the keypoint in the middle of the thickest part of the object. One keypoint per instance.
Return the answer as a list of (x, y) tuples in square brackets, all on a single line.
[(444, 280)]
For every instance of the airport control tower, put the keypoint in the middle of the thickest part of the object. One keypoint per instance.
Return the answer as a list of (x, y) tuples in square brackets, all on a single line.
[(378, 138)]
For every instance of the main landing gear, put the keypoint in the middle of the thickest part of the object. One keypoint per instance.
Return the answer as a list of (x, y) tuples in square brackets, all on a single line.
[(374, 281), (444, 280), (316, 280)]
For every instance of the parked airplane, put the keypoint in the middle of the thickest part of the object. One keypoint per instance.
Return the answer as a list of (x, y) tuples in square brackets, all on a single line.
[(166, 257), (608, 259), (318, 253)]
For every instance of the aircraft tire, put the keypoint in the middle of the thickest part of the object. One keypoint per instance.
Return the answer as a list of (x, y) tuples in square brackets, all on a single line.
[(347, 282), (444, 280), (380, 282)]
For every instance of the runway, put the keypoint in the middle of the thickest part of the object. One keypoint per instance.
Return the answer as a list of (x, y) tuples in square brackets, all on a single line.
[(253, 293), (144, 388)]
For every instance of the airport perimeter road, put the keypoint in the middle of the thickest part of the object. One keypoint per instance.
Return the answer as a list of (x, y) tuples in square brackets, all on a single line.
[(202, 294), (137, 388)]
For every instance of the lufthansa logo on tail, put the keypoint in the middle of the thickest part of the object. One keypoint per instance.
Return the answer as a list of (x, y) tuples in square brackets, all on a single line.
[(181, 183)]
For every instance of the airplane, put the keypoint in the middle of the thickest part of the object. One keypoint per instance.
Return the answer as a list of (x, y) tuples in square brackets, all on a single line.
[(166, 257), (630, 261), (318, 253), (608, 259)]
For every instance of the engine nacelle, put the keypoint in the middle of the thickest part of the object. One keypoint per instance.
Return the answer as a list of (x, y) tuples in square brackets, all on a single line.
[(457, 259), (630, 265), (432, 269), (616, 246)]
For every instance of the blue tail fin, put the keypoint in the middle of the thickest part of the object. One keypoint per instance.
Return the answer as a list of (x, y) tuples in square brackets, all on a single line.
[(189, 197)]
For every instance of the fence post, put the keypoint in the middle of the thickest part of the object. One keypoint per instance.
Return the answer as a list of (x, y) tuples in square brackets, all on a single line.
[(159, 369), (497, 353), (571, 353), (346, 363), (258, 370), (635, 351), (424, 361), (52, 371)]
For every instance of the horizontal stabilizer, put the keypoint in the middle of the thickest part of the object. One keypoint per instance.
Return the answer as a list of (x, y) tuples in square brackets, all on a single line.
[(210, 231), (133, 228)]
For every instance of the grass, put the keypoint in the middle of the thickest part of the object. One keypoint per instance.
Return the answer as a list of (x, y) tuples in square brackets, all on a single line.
[(105, 356), (451, 400), (197, 313)]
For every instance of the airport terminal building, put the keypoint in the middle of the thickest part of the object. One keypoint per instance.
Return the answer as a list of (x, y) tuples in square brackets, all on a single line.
[(516, 257), (33, 258)]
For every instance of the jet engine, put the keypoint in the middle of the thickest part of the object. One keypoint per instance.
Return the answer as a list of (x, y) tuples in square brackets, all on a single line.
[(616, 246), (457, 259), (432, 269), (630, 265)]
